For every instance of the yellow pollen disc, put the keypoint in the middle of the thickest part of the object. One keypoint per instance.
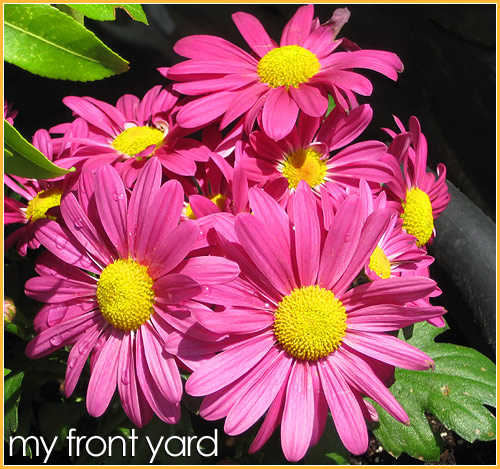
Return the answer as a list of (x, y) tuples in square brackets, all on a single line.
[(136, 139), (38, 206), (417, 215), (304, 165), (125, 294), (310, 322), (287, 66), (217, 199), (379, 263)]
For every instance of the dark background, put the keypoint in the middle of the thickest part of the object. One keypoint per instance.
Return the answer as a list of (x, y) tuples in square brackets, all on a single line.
[(449, 81)]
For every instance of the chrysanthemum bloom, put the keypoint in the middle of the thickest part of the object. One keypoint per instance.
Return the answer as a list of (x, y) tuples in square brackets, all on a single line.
[(130, 132), (277, 79), (305, 155), (418, 196), (308, 342), (42, 201), (114, 281)]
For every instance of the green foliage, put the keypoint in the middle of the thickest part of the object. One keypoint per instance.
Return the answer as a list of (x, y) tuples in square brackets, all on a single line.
[(45, 41), (23, 159), (455, 393), (107, 11), (329, 449), (12, 396)]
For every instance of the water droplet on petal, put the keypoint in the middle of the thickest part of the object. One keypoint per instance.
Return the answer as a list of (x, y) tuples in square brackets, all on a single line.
[(267, 305), (118, 196), (201, 236), (126, 376), (78, 223), (56, 340), (206, 289), (61, 242), (72, 362)]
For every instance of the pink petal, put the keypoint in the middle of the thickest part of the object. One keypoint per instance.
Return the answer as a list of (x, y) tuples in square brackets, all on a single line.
[(320, 407), (57, 290), (309, 99), (253, 32), (307, 234), (388, 349), (345, 409), (112, 207), (175, 288), (297, 29), (228, 366), (234, 321), (298, 414), (279, 113), (104, 374), (203, 110), (209, 270)]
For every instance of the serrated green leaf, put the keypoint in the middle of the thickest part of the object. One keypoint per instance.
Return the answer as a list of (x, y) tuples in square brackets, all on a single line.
[(12, 395), (107, 12), (25, 160), (47, 42), (455, 393)]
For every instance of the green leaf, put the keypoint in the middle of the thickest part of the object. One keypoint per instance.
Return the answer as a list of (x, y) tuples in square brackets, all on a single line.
[(331, 105), (107, 11), (329, 450), (455, 393), (23, 159), (12, 395), (47, 42)]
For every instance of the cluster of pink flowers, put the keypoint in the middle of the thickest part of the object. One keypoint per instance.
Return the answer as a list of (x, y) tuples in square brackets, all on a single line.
[(227, 226)]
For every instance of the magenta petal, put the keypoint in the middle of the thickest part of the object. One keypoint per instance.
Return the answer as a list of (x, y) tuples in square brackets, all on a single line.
[(320, 407), (79, 354), (309, 99), (202, 206), (112, 207), (299, 407), (345, 409), (57, 290), (297, 29), (234, 321), (209, 270), (307, 233), (253, 32), (133, 402), (229, 365), (389, 349), (266, 251), (174, 288), (279, 113), (357, 372), (103, 377), (203, 110)]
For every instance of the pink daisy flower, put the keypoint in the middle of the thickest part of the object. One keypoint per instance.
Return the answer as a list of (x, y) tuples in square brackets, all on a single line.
[(415, 193), (127, 134), (114, 281), (308, 342), (277, 80), (305, 155), (42, 200)]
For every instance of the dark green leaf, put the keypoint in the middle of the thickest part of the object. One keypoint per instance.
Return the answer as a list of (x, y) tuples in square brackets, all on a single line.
[(12, 395), (23, 159), (107, 11), (455, 393), (45, 41)]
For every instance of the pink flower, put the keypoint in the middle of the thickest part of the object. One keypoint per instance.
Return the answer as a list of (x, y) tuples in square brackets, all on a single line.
[(118, 287), (277, 80), (42, 200), (127, 134), (415, 193), (305, 155), (9, 114), (308, 342)]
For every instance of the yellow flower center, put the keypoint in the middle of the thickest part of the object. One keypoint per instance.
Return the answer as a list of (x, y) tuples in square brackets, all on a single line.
[(125, 294), (217, 199), (417, 215), (304, 165), (38, 205), (287, 66), (379, 263), (136, 139), (310, 322)]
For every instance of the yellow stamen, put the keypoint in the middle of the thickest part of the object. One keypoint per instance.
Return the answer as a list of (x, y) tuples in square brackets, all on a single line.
[(379, 263), (125, 294), (417, 215), (136, 139), (43, 201), (310, 322), (304, 165), (287, 66)]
